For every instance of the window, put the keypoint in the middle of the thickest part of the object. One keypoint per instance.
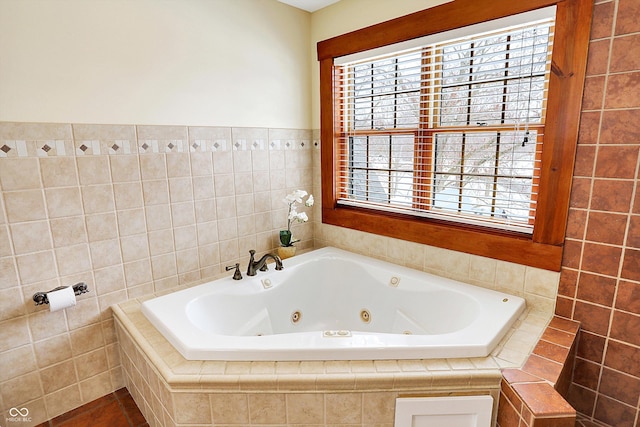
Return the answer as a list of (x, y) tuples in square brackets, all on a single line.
[(440, 136), (451, 129)]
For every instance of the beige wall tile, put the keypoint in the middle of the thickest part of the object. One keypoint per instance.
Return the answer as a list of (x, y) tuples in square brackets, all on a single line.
[(243, 183), (163, 266), (128, 195), (378, 407), (541, 282), (58, 376), (63, 400), (98, 199), (53, 350), (86, 312), (36, 267), (14, 333), (161, 242), (16, 362), (73, 259), (227, 229), (201, 164), (97, 386), (30, 237), (63, 202), (131, 221), (138, 272), (101, 227), (230, 408), (93, 170), (21, 389), (153, 166), (59, 171), (45, 324), (183, 214), (162, 132), (178, 165), (11, 303), (510, 277), (206, 210), (134, 247), (158, 217), (209, 255), (34, 131), (25, 205), (207, 233), (19, 174), (8, 273), (222, 162), (180, 189), (187, 261), (86, 339), (155, 192), (224, 185), (192, 408), (125, 168), (185, 237), (91, 363), (203, 187), (5, 242), (225, 207), (343, 408), (105, 253), (267, 408), (103, 132), (68, 231), (109, 279), (209, 133), (305, 408)]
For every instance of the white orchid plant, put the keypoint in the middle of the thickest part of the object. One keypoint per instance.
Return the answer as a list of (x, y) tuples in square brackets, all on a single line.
[(292, 200)]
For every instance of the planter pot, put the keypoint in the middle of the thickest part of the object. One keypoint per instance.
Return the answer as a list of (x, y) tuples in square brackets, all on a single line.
[(285, 252)]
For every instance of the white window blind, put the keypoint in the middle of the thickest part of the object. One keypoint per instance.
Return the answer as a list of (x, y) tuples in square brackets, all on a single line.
[(450, 130)]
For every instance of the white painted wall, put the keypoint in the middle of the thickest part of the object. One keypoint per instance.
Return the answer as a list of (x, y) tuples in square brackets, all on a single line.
[(188, 62), (350, 15)]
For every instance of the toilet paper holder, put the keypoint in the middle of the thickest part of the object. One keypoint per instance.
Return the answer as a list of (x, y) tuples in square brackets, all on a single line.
[(78, 289)]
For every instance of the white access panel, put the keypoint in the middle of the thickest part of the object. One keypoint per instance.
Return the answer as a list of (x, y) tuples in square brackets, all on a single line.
[(447, 411)]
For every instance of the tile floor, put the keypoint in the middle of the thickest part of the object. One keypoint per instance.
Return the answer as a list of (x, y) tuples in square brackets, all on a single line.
[(113, 410)]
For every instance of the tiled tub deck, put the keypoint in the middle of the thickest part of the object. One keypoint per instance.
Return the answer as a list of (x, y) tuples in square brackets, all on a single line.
[(172, 391)]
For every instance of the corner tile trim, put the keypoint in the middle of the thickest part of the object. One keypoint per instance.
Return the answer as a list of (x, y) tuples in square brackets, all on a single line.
[(536, 391)]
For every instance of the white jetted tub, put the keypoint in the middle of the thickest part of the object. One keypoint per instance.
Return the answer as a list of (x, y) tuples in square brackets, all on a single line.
[(330, 304)]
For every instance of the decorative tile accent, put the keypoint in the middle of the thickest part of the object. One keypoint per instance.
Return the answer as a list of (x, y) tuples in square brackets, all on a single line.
[(275, 144)]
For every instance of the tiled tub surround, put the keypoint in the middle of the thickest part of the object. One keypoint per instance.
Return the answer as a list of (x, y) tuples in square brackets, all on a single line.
[(130, 210), (534, 395), (172, 391)]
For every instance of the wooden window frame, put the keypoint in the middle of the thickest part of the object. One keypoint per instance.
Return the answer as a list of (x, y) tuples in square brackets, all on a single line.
[(542, 249)]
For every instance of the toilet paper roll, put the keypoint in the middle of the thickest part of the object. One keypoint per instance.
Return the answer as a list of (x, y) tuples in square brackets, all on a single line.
[(62, 298)]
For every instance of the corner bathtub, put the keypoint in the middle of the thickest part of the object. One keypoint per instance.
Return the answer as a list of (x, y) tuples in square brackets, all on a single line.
[(330, 304)]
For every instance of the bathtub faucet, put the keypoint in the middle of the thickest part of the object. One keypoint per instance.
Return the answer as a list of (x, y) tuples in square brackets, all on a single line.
[(261, 264)]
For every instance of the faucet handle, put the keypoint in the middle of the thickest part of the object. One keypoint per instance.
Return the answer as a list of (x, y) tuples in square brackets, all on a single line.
[(236, 275)]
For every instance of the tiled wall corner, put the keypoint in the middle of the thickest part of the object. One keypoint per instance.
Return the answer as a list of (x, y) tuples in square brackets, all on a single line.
[(534, 395), (130, 210)]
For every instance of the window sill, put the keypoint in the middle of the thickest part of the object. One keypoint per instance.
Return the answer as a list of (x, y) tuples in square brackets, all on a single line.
[(502, 245)]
